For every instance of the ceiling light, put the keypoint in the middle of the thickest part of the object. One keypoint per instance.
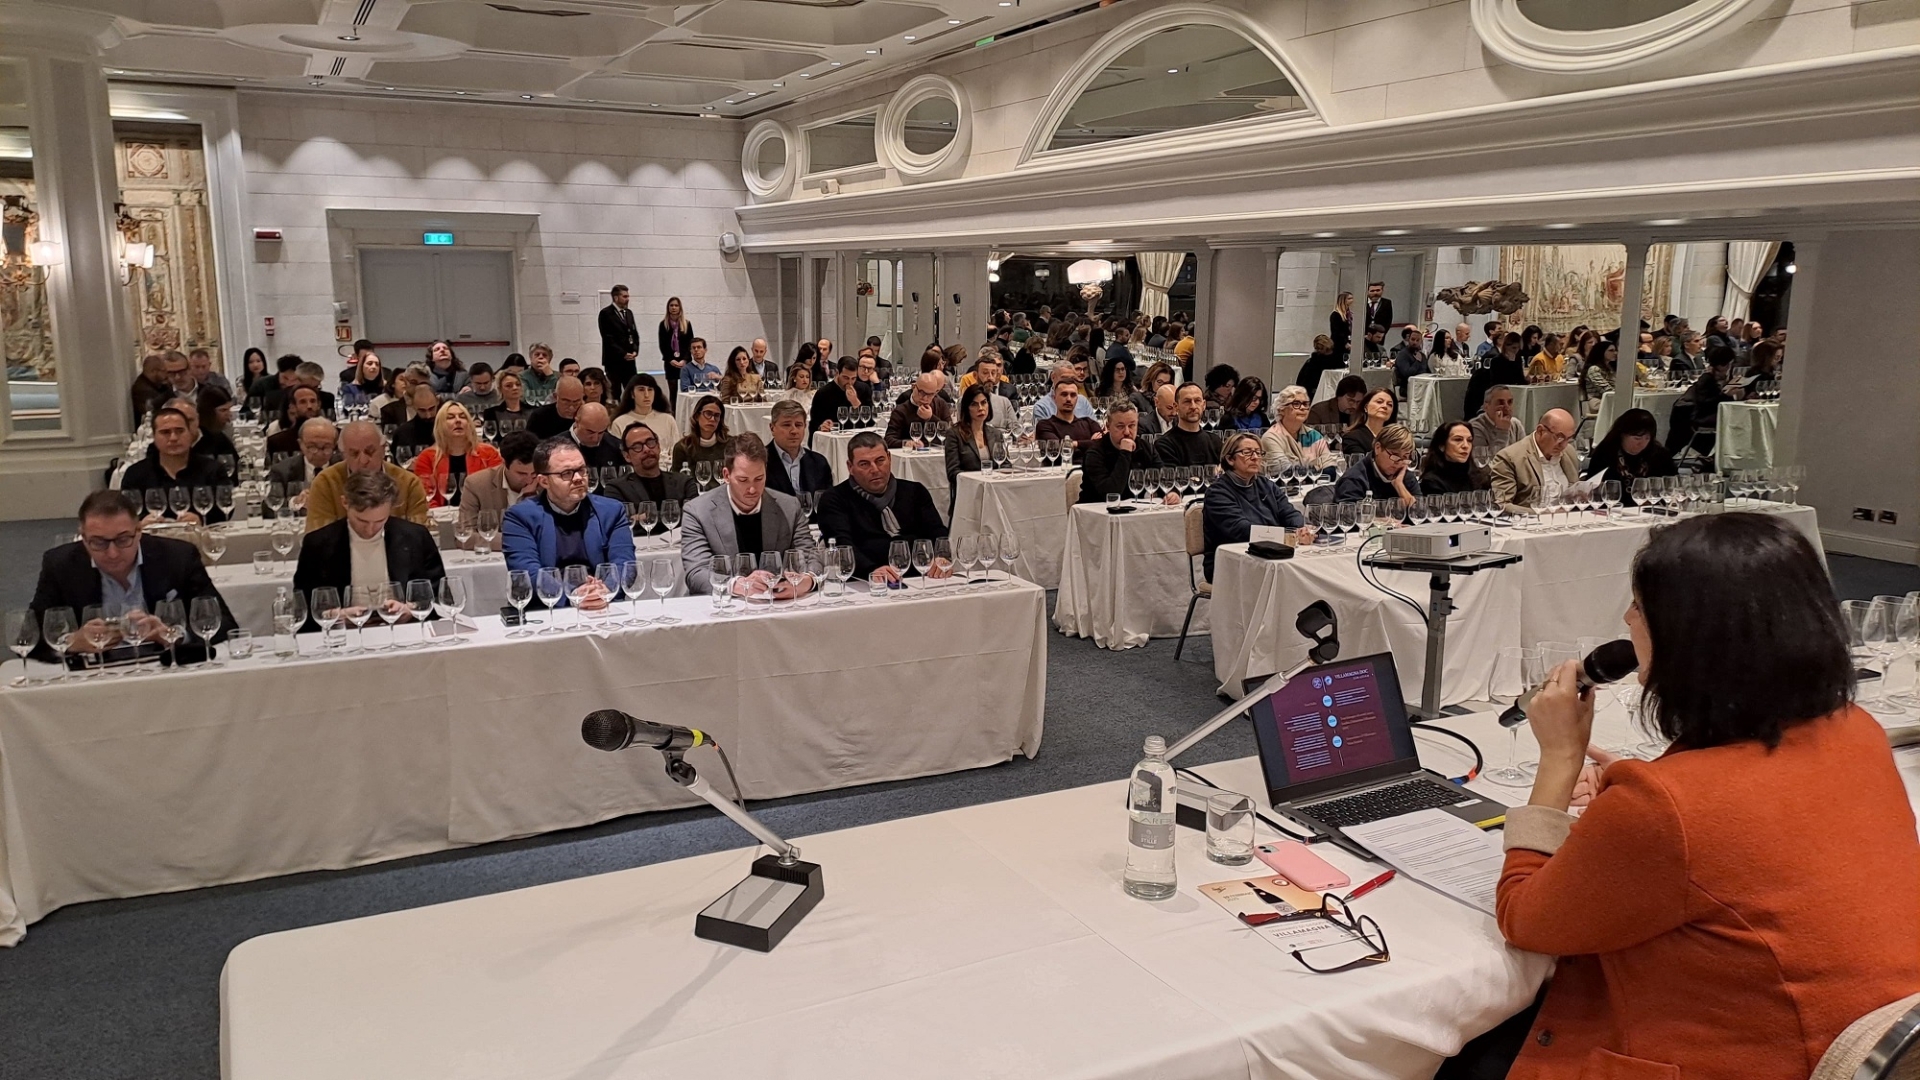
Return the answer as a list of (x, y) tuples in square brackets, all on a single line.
[(1563, 225), (1793, 268), (652, 105), (460, 93), (1325, 235), (953, 22), (873, 52), (992, 276), (836, 63), (729, 101), (1668, 221), (1173, 71), (910, 37), (778, 85), (806, 75), (1473, 228), (1393, 232), (1006, 3), (709, 108), (349, 37), (526, 97), (1384, 250), (753, 93)]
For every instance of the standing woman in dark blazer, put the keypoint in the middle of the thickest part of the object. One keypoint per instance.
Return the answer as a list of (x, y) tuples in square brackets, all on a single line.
[(1340, 327), (974, 440), (676, 345)]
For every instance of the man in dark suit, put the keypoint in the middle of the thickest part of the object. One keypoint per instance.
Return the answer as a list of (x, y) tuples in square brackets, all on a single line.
[(619, 339), (872, 509), (1379, 308), (791, 467), (302, 405), (114, 565), (369, 547)]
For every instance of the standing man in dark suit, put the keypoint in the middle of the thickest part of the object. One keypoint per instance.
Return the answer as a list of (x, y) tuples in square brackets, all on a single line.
[(1379, 308), (619, 339), (873, 508), (116, 566), (369, 546)]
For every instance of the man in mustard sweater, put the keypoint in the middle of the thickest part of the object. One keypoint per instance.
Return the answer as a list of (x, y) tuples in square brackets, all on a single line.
[(362, 450)]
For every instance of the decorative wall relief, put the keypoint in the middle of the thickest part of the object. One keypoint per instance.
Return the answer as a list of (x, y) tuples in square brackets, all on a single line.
[(26, 328), (163, 182)]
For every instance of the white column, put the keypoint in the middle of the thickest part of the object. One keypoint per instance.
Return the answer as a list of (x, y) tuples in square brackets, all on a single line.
[(1235, 308), (1632, 289), (1794, 374), (961, 277), (44, 473)]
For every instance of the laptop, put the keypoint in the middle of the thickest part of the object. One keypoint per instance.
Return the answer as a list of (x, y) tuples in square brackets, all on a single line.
[(1337, 750)]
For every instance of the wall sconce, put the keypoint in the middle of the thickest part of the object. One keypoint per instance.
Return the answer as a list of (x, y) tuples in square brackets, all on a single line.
[(44, 253)]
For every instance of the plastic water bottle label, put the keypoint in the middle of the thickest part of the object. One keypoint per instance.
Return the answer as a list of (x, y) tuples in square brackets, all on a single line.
[(1150, 830)]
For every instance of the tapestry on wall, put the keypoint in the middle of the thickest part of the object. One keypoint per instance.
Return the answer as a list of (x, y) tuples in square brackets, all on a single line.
[(1582, 284), (26, 329), (176, 304)]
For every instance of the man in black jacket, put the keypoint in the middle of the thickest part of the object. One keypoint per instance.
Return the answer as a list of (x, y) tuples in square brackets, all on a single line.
[(789, 459), (836, 395), (872, 509), (114, 565), (619, 339), (1111, 461), (369, 547)]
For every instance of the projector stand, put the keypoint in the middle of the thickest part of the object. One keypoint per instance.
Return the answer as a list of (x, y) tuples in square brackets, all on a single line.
[(1439, 606)]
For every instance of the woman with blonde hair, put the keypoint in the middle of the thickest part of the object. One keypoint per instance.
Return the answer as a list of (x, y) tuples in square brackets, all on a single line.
[(676, 345), (1340, 325), (457, 451)]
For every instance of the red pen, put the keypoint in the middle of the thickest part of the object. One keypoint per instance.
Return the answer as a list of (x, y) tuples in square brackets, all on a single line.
[(1368, 887)]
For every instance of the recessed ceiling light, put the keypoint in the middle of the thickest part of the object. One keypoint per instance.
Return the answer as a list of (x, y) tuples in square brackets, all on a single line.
[(1173, 71), (729, 101), (910, 37), (1385, 250), (836, 63), (1393, 232), (1473, 228), (460, 93), (386, 88), (1668, 221), (873, 52), (1563, 225), (349, 37), (1006, 3), (653, 105), (526, 97), (1325, 235), (710, 108), (806, 75), (778, 85), (953, 22), (753, 93)]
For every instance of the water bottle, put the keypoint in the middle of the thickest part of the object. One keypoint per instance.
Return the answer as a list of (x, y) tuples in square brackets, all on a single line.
[(1150, 872), (284, 625)]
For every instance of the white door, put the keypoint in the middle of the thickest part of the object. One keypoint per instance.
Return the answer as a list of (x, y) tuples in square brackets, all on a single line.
[(415, 296)]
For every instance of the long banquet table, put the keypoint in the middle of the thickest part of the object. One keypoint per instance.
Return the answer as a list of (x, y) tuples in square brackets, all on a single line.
[(123, 786), (1746, 435), (1568, 585), (991, 940), (1532, 400)]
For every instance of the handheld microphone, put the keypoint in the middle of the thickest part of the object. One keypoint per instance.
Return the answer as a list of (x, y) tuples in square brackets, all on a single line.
[(1608, 663), (611, 729)]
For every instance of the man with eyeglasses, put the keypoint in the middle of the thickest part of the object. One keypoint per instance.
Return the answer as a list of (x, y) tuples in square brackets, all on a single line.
[(563, 525), (648, 483), (117, 566), (1537, 470), (1385, 473), (923, 405)]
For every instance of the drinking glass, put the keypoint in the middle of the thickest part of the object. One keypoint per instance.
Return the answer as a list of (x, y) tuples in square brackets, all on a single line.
[(223, 498), (240, 643), (1009, 555), (703, 474), (1229, 828), (283, 540), (358, 612), (877, 586), (923, 556), (449, 600), (22, 633), (202, 500), (179, 500), (213, 543), (576, 577), (325, 605), (768, 571), (1526, 670), (287, 625), (489, 522), (795, 571), (1906, 637), (549, 587), (632, 583), (670, 517), (262, 563), (720, 584), (899, 556), (276, 497), (665, 573), (385, 599), (842, 567), (420, 603), (643, 514), (57, 627), (100, 624), (520, 594), (462, 531), (966, 552)]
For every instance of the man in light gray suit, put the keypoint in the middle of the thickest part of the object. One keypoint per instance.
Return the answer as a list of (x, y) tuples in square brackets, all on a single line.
[(741, 515)]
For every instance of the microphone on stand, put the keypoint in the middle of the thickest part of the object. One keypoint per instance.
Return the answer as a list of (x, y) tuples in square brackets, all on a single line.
[(611, 729), (1608, 663)]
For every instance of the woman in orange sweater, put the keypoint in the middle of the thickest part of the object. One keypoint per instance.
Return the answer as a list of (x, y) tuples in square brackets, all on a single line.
[(456, 453), (1726, 910)]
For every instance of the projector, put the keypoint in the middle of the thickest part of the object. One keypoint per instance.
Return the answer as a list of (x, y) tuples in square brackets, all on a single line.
[(1439, 541)]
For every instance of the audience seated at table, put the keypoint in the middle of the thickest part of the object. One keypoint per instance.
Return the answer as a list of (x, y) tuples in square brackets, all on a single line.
[(637, 406), (1729, 908), (741, 382), (1067, 370), (1446, 347), (1318, 363), (171, 463), (706, 437), (1290, 441), (1598, 374), (557, 415), (973, 439), (1501, 368), (1629, 451), (646, 482), (698, 370), (1409, 359), (1343, 408), (214, 406), (793, 469), (1380, 409), (1549, 364), (1111, 460), (1242, 498), (1385, 473), (302, 404), (1250, 408), (305, 373), (799, 387), (589, 433), (1535, 471), (1694, 421), (481, 392), (563, 525), (842, 392), (1496, 428), (872, 508), (368, 547), (500, 486), (988, 374), (1448, 467), (319, 443), (1185, 443), (1073, 433), (457, 451), (923, 405), (417, 433), (743, 515), (1116, 378), (362, 449), (115, 565), (513, 412)]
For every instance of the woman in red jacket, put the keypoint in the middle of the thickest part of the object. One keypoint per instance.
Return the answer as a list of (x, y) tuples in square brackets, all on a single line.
[(1726, 910), (457, 451)]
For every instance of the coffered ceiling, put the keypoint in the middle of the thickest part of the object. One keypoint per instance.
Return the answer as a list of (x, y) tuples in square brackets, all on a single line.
[(726, 57)]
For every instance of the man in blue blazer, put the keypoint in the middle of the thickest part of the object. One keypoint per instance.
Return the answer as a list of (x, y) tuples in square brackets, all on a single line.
[(562, 525)]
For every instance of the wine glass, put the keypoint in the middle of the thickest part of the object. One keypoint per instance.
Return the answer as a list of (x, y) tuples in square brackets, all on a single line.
[(576, 577), (287, 622), (720, 584), (449, 600), (57, 627), (703, 474), (1524, 669), (1905, 632), (643, 515), (795, 570), (1136, 484), (202, 497), (923, 556), (549, 586), (1009, 554), (382, 601), (842, 567), (22, 633), (356, 610), (283, 539), (462, 530), (900, 557), (632, 583), (942, 553), (489, 524), (213, 544), (670, 517), (276, 497), (520, 594), (662, 574), (223, 497), (966, 551), (420, 603), (100, 624), (325, 605), (1610, 496)]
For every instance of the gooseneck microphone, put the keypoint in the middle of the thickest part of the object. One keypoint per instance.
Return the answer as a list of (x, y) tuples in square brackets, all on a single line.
[(1608, 663), (611, 729)]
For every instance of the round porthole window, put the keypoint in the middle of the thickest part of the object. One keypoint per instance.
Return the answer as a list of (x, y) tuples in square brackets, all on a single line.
[(1579, 36), (766, 161), (926, 129)]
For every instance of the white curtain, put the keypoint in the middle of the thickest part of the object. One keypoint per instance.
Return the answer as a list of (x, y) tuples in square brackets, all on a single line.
[(1158, 269), (1747, 262)]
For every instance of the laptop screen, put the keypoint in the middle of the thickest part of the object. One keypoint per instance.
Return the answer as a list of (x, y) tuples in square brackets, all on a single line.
[(1332, 725)]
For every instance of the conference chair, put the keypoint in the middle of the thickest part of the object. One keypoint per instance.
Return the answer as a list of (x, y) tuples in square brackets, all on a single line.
[(1879, 1046), (1075, 476), (1202, 588)]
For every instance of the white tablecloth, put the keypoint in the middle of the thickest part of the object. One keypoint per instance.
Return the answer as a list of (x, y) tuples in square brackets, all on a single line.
[(1124, 578), (126, 786), (1532, 400), (1568, 585), (741, 418), (1376, 378), (1658, 402), (927, 467), (1434, 399), (1029, 505), (1746, 435)]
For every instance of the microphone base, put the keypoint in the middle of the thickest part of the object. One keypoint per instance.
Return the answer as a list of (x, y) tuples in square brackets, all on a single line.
[(757, 913)]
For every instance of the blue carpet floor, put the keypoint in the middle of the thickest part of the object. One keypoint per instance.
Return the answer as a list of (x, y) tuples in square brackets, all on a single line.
[(127, 988)]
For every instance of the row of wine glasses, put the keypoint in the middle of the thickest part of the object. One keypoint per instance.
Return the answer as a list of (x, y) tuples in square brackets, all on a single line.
[(201, 499), (646, 515), (771, 580), (105, 626), (1878, 631), (598, 587), (1779, 484), (1183, 480), (285, 497), (486, 523), (1454, 507)]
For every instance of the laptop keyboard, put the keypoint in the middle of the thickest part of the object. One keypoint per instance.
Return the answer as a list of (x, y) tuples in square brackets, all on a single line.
[(1386, 802)]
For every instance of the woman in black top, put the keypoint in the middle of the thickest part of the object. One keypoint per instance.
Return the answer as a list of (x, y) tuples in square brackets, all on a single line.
[(1629, 452), (1116, 378), (1323, 360), (216, 417), (676, 345), (1375, 415), (1339, 330), (1448, 467)]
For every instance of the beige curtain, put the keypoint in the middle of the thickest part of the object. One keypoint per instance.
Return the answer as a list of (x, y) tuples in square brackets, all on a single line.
[(1747, 262), (1157, 271)]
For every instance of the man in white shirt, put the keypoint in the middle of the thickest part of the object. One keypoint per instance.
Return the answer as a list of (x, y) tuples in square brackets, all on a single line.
[(792, 468), (318, 440), (1534, 472), (742, 517), (757, 355)]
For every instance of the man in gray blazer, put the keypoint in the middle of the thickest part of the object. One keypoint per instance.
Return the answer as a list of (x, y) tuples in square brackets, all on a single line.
[(499, 487), (742, 515), (1533, 472)]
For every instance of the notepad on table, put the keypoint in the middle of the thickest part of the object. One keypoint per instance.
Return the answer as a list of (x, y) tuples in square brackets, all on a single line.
[(1440, 851)]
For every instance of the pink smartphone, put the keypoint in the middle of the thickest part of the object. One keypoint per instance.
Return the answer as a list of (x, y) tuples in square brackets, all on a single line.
[(1300, 866)]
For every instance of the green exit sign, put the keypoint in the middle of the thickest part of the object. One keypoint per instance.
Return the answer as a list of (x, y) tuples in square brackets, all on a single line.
[(437, 239)]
